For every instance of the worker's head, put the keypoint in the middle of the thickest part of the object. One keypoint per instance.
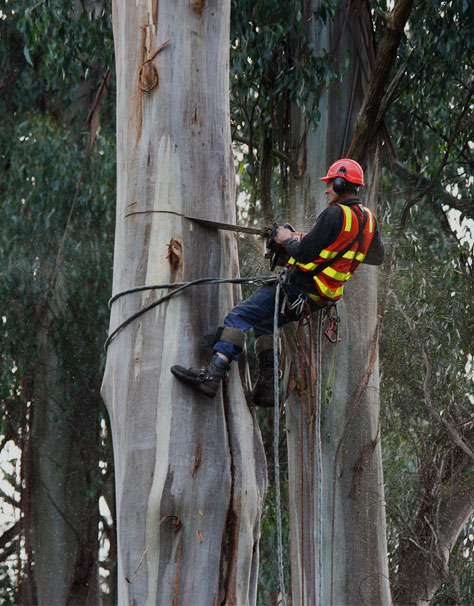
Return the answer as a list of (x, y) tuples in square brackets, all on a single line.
[(343, 179)]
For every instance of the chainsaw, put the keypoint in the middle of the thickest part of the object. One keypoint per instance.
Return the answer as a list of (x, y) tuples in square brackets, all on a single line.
[(273, 251)]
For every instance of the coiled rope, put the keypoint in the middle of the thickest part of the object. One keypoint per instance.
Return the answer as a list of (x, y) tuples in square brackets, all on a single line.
[(179, 287)]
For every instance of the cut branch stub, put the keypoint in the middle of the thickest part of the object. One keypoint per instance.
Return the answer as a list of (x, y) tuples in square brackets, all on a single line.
[(148, 76)]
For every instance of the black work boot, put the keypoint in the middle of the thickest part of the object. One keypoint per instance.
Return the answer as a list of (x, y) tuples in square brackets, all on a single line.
[(205, 379), (263, 392)]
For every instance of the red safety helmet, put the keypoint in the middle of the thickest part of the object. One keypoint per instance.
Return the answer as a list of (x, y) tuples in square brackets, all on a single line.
[(350, 170)]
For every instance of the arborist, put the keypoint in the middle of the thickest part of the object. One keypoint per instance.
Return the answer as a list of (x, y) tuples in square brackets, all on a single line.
[(320, 262)]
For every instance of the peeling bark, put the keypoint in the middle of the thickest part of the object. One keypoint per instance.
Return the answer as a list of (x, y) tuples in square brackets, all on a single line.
[(190, 472)]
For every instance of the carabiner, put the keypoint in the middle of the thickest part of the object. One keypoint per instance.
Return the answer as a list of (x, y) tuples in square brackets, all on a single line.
[(331, 332)]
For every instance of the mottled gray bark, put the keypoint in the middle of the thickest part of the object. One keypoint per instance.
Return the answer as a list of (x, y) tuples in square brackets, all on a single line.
[(354, 555), (190, 472), (63, 491), (424, 558)]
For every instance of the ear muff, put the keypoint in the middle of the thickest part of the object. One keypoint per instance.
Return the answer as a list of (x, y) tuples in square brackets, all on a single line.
[(339, 185)]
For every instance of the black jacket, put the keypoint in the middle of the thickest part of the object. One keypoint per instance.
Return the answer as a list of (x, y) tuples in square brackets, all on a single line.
[(325, 231)]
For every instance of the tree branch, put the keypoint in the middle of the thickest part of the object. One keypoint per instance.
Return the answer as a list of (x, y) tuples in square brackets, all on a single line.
[(453, 433), (277, 153), (466, 207), (370, 116)]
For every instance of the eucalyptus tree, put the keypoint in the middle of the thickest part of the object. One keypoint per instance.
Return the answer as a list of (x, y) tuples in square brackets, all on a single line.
[(415, 121), (427, 345), (190, 474)]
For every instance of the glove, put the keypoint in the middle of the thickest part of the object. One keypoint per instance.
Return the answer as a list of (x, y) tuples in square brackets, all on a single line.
[(276, 252), (271, 244)]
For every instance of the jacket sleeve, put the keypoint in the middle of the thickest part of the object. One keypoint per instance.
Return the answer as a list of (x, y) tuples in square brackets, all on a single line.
[(376, 253), (322, 234)]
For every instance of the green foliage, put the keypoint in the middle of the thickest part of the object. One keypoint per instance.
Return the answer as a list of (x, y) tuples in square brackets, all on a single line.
[(430, 312), (54, 57), (274, 60), (432, 110), (274, 63), (52, 47), (44, 167)]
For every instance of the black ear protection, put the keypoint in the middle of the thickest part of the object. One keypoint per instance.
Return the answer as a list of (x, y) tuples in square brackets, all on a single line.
[(339, 185)]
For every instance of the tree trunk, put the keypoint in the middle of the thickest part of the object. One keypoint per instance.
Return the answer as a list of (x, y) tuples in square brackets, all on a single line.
[(190, 472), (64, 492), (423, 559), (354, 566)]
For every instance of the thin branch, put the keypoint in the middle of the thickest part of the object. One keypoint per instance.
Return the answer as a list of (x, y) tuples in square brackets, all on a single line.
[(453, 433), (277, 153), (9, 535), (465, 206)]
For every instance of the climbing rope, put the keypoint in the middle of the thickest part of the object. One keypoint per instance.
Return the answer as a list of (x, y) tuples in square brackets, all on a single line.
[(179, 287), (319, 461), (276, 438)]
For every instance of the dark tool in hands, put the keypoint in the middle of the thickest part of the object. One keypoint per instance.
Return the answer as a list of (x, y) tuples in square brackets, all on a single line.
[(273, 251)]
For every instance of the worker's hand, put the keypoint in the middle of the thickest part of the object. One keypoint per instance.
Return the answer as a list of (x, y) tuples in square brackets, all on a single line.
[(282, 234)]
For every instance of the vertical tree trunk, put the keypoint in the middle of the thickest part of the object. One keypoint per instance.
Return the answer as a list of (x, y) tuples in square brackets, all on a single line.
[(64, 492), (190, 472), (354, 556)]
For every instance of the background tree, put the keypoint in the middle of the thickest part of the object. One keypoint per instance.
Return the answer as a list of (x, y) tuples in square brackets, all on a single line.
[(52, 307), (429, 148), (441, 147)]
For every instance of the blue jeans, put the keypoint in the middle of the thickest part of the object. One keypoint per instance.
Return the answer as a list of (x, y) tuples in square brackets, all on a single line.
[(257, 312)]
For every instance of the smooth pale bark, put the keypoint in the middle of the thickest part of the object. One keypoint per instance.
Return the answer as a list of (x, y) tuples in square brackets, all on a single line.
[(354, 553), (190, 472)]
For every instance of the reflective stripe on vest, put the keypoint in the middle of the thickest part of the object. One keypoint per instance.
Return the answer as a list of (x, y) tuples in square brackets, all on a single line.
[(328, 292), (370, 218), (347, 226)]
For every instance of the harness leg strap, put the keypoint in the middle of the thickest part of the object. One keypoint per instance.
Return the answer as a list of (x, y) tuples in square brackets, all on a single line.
[(235, 336)]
